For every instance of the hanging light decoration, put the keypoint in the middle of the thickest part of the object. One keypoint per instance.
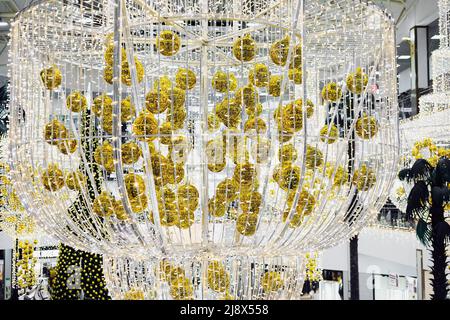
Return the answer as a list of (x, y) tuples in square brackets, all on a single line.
[(203, 131)]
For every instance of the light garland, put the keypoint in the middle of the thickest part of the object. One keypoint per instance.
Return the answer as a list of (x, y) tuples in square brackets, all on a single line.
[(143, 141)]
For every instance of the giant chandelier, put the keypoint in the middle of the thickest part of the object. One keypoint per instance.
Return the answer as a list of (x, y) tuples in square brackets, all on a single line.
[(203, 146)]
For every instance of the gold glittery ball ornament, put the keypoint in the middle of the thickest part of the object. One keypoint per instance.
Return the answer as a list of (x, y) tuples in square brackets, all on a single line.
[(108, 74), (176, 116), (188, 196), (127, 109), (357, 82), (259, 75), (179, 149), (364, 178), (185, 79), (306, 202), (104, 204), (260, 149), (109, 53), (254, 111), (76, 102), (314, 157), (332, 92), (339, 175), (296, 75), (133, 294), (104, 155), (244, 48), (51, 77), (291, 117), (245, 173), (175, 173), (279, 51), (75, 180), (366, 127), (218, 278), (275, 85), (52, 178), (246, 224), (131, 152), (181, 289), (100, 102), (139, 204), (255, 125), (227, 190), (145, 126), (246, 96), (119, 210), (125, 75), (55, 131), (162, 83), (168, 43), (67, 145), (177, 97), (217, 207), (287, 153), (224, 82), (229, 112), (287, 176), (250, 202), (134, 184), (213, 122), (165, 133), (329, 134), (271, 281)]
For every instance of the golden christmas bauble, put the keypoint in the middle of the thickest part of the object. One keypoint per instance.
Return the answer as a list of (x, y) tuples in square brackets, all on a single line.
[(55, 131), (188, 196), (224, 82), (185, 79), (287, 153), (357, 82), (217, 207), (213, 122), (145, 126), (104, 155), (296, 75), (271, 281), (168, 43), (332, 92), (314, 157), (366, 127), (176, 116), (108, 74), (288, 176), (76, 102), (246, 96), (364, 178), (67, 146), (246, 224), (125, 75), (275, 85), (75, 180), (244, 48), (177, 97), (244, 174), (255, 125), (52, 178), (329, 134), (229, 112), (279, 51), (227, 190), (250, 202), (218, 278), (162, 83), (259, 75), (127, 109), (104, 204), (134, 184), (254, 111), (100, 102), (165, 133), (181, 289), (139, 203), (131, 152), (51, 77)]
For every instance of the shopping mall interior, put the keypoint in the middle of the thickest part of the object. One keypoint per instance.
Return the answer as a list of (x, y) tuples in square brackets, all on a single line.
[(196, 172)]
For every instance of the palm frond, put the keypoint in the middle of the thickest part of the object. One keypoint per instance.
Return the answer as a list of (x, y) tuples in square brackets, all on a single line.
[(443, 169), (418, 198), (421, 170), (443, 232), (439, 195), (424, 232), (405, 174)]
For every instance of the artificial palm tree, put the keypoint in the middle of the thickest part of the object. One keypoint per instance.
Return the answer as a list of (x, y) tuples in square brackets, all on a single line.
[(426, 203)]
